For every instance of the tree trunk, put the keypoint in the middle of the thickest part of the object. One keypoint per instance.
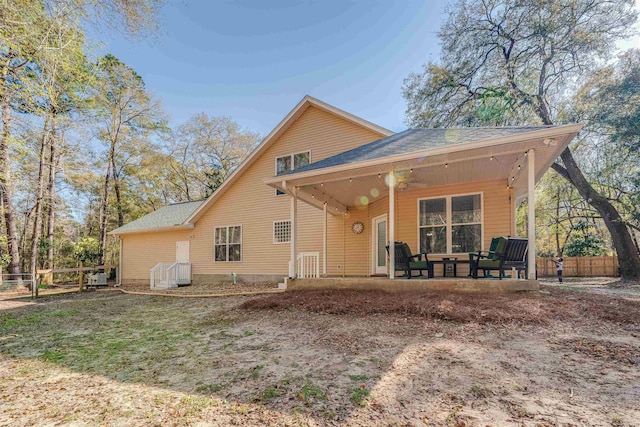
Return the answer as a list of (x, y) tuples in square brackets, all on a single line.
[(51, 194), (557, 233), (23, 239), (116, 188), (628, 257), (6, 188), (37, 221), (104, 213)]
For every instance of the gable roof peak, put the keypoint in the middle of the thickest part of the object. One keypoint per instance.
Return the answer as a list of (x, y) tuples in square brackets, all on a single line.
[(306, 102)]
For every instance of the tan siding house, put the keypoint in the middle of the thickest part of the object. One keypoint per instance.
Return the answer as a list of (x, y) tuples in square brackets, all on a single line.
[(449, 193)]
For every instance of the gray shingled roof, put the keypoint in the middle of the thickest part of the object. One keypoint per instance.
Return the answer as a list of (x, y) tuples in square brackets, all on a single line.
[(413, 140), (166, 216)]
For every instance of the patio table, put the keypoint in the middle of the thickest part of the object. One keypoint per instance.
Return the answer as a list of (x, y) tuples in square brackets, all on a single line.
[(453, 261)]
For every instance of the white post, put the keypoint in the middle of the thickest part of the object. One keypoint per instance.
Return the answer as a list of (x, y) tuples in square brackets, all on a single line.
[(531, 216), (294, 233), (119, 281), (392, 227), (514, 212), (324, 240)]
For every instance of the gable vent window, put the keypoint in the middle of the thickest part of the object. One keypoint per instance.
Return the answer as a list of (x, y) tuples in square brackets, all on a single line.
[(291, 162), (281, 231)]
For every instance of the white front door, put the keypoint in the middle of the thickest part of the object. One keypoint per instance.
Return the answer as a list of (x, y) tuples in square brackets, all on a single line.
[(182, 251), (379, 228)]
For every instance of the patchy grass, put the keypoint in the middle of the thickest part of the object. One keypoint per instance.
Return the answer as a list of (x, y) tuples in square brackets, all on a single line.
[(118, 344), (311, 391), (337, 358), (270, 393), (358, 395)]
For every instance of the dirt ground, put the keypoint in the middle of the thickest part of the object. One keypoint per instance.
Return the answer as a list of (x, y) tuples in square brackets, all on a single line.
[(562, 357)]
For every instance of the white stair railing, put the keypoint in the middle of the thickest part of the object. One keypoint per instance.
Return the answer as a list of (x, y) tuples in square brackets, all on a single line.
[(179, 273), (170, 275), (159, 277), (308, 265)]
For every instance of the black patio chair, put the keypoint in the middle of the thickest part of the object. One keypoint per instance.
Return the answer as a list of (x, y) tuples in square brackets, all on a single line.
[(407, 262)]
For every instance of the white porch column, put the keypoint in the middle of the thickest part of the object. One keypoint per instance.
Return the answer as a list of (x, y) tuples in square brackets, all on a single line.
[(392, 225), (324, 239), (531, 216), (294, 232), (514, 213)]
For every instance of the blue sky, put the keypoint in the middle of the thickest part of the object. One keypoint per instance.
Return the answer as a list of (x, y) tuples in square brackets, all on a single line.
[(254, 60)]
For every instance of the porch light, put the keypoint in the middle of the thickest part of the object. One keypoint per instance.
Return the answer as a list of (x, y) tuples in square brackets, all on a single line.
[(446, 165), (491, 158), (410, 170), (379, 175), (350, 179)]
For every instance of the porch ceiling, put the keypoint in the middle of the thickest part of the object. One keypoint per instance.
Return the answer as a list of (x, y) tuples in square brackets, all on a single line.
[(360, 183)]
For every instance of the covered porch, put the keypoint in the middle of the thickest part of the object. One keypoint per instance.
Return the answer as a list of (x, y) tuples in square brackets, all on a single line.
[(445, 192)]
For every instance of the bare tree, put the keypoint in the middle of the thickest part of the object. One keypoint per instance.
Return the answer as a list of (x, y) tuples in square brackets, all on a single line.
[(205, 151)]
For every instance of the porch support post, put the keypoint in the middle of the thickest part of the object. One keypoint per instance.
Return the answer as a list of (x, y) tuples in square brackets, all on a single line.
[(294, 232), (119, 278), (531, 216), (324, 239), (392, 224)]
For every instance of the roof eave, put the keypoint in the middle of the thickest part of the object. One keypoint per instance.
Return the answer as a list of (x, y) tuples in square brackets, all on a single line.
[(572, 129), (176, 227)]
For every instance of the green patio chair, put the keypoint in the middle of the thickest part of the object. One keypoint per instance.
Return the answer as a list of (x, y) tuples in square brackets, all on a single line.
[(475, 256), (510, 253), (407, 262)]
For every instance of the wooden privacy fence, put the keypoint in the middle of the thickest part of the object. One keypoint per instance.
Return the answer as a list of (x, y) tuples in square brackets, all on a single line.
[(587, 266)]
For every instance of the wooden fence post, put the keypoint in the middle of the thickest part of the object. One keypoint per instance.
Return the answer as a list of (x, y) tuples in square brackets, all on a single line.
[(81, 278)]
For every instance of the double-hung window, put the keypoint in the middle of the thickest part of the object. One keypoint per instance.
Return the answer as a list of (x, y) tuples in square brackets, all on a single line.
[(291, 162), (451, 224), (228, 243)]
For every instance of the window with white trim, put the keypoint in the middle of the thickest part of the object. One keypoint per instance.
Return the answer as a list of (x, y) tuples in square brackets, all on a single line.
[(291, 162), (281, 231), (451, 224), (227, 244)]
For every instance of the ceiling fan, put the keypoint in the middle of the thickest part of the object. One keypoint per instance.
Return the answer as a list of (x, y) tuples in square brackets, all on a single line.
[(406, 179)]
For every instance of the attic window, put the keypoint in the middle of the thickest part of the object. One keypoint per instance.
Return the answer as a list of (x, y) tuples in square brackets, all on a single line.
[(291, 162)]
